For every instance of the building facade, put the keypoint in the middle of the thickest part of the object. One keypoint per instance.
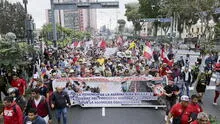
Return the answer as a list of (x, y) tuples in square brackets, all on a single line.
[(82, 19)]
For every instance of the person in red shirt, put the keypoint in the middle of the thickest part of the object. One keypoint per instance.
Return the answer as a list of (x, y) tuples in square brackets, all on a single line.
[(12, 113), (178, 110), (163, 70), (19, 83), (202, 118), (217, 66), (192, 110)]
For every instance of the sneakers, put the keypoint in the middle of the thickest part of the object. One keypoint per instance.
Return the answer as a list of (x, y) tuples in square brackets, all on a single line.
[(215, 103), (165, 118)]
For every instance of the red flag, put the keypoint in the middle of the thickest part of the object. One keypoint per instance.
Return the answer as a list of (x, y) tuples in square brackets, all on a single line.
[(165, 59), (76, 44), (147, 51), (119, 41), (102, 44)]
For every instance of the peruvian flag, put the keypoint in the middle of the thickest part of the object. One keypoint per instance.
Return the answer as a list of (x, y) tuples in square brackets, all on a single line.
[(165, 59), (162, 55), (76, 44), (119, 41), (102, 44), (148, 51)]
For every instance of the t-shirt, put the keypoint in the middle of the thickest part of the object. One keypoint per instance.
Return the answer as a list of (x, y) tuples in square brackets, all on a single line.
[(171, 89), (20, 84), (191, 108), (177, 110)]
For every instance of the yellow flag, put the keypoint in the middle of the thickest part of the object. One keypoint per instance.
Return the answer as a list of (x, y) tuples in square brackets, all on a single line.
[(132, 45)]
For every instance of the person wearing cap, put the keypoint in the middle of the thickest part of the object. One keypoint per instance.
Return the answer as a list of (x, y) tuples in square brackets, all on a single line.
[(171, 91), (192, 110), (202, 118), (178, 110)]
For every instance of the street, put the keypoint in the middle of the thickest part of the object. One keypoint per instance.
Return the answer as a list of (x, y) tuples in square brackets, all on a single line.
[(78, 115)]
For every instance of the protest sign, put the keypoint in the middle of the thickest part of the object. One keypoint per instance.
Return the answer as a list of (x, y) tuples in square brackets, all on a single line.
[(113, 91), (110, 51)]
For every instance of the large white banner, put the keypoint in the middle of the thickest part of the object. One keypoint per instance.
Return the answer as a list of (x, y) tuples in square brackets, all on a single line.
[(112, 91)]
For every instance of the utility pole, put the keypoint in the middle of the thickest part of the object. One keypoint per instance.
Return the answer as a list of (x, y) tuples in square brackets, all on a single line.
[(25, 2), (54, 23)]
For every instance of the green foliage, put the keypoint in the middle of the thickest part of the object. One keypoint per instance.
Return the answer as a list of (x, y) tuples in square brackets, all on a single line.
[(67, 34), (12, 18), (151, 9), (13, 54), (133, 15)]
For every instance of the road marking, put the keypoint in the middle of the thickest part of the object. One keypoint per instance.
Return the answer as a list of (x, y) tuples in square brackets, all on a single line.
[(103, 111), (207, 88)]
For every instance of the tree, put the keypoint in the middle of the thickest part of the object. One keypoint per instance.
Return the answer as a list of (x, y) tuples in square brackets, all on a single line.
[(121, 26), (150, 9), (182, 12), (133, 15), (12, 18), (11, 53), (65, 35)]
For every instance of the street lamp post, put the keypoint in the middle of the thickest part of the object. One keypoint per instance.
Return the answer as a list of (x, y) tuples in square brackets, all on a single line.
[(25, 5), (25, 2)]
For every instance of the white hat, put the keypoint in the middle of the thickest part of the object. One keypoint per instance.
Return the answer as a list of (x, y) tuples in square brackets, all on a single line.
[(71, 71), (184, 98), (36, 76)]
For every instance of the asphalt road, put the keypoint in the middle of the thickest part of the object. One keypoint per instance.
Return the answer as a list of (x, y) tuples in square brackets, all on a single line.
[(78, 115)]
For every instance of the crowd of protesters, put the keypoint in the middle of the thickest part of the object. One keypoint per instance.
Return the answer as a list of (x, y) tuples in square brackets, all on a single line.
[(91, 61)]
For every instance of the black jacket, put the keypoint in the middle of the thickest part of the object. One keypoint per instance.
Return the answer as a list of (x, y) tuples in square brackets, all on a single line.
[(184, 75), (60, 100), (21, 101)]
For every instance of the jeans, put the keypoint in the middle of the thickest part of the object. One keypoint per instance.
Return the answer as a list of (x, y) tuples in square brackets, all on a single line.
[(61, 112), (169, 105), (186, 85)]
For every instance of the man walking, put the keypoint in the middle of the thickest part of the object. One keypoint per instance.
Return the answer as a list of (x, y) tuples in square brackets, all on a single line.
[(186, 75), (171, 92), (60, 101), (12, 112), (40, 103)]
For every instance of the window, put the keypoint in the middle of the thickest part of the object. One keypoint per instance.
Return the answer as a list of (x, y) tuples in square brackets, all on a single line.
[(192, 30)]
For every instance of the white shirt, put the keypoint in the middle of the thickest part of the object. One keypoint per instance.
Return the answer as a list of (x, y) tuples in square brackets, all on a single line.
[(186, 76), (37, 101)]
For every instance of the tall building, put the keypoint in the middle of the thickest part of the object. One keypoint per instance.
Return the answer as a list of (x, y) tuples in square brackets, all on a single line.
[(82, 19), (89, 18), (71, 17)]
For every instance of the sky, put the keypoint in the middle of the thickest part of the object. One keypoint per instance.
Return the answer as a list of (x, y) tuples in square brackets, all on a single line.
[(106, 17)]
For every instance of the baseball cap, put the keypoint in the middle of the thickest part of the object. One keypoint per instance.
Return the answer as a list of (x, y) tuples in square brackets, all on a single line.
[(184, 98)]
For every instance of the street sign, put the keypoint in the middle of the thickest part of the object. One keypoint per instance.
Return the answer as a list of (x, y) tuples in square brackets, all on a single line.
[(156, 19), (217, 11)]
